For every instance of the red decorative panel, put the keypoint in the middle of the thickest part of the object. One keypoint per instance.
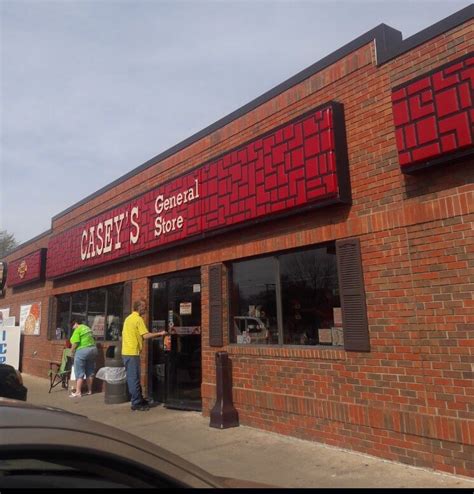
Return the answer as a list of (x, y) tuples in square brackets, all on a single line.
[(434, 115), (27, 269), (299, 165)]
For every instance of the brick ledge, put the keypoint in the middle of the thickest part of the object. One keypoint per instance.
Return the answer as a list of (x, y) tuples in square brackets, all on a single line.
[(287, 352)]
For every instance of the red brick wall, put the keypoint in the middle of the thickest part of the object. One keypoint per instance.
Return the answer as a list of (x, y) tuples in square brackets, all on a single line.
[(411, 398)]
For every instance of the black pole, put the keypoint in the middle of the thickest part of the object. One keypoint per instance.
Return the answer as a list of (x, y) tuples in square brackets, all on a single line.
[(223, 415)]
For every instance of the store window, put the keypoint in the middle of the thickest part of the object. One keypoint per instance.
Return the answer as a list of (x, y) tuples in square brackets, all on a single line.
[(254, 301), (64, 316), (289, 299), (101, 309), (114, 321)]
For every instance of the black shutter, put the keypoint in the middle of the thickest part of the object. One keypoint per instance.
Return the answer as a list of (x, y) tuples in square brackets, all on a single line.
[(52, 317), (215, 306), (351, 288), (127, 300)]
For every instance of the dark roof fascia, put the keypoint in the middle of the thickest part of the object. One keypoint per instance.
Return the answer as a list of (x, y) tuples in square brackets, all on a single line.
[(383, 34), (441, 27), (28, 242), (389, 45)]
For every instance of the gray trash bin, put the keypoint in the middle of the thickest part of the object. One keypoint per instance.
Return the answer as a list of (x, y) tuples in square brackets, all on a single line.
[(115, 392)]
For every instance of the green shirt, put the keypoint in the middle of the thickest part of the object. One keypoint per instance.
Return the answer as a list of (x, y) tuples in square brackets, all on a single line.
[(83, 336)]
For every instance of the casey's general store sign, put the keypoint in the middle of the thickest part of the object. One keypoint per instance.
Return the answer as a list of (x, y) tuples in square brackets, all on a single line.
[(105, 236), (299, 165)]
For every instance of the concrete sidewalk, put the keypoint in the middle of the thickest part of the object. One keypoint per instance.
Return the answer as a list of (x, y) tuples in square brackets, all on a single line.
[(243, 452)]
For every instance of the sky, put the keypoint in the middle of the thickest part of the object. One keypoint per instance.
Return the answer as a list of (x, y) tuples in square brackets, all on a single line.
[(91, 89)]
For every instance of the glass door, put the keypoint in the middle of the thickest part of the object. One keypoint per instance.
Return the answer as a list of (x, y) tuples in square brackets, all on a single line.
[(175, 360)]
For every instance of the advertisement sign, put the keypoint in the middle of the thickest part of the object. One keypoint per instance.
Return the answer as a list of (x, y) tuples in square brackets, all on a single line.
[(10, 345), (30, 319), (300, 165)]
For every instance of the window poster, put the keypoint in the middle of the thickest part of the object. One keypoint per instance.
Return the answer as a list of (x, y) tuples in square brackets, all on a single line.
[(158, 325), (30, 319), (4, 313), (185, 308), (337, 316), (98, 326)]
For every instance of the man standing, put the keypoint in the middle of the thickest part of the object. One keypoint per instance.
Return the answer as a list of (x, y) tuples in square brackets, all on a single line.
[(134, 332)]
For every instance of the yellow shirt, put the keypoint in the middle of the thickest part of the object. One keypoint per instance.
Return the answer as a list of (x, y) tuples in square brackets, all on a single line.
[(132, 335)]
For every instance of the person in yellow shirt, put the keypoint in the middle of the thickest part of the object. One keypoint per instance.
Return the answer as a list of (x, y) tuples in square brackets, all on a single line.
[(133, 334)]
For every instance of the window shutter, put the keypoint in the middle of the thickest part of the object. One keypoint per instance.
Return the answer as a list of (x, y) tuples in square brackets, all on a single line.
[(351, 287), (52, 317), (127, 300), (215, 306)]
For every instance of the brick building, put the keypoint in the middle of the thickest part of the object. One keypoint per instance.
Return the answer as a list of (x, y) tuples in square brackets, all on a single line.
[(322, 235)]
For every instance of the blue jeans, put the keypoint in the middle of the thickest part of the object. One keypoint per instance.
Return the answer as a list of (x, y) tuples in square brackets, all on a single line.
[(84, 362), (132, 366)]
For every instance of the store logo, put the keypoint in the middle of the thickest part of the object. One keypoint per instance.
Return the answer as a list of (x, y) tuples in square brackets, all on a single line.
[(22, 269)]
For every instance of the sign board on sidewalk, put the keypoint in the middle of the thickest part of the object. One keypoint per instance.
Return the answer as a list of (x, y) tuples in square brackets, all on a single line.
[(10, 345)]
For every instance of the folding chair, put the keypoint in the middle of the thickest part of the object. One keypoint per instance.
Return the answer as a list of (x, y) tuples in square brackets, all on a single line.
[(60, 373)]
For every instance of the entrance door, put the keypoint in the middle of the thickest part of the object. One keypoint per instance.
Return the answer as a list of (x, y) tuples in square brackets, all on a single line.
[(175, 359)]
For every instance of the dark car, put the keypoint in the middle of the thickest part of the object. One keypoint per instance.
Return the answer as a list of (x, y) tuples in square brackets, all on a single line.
[(11, 383), (50, 448)]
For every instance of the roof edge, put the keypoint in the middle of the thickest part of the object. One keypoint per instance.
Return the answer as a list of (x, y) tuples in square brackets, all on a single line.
[(433, 31)]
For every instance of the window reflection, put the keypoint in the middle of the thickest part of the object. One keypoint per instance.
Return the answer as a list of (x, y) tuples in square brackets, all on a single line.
[(309, 299), (309, 290), (254, 298), (114, 312), (96, 312), (64, 310), (79, 306), (101, 309)]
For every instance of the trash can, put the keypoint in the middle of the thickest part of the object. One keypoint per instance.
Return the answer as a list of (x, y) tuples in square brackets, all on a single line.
[(115, 392)]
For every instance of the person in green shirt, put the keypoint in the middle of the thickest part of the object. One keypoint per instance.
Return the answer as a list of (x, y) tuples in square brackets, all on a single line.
[(85, 353)]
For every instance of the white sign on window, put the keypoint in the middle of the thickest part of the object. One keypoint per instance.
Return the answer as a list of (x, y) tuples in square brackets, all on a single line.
[(98, 326), (185, 308)]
